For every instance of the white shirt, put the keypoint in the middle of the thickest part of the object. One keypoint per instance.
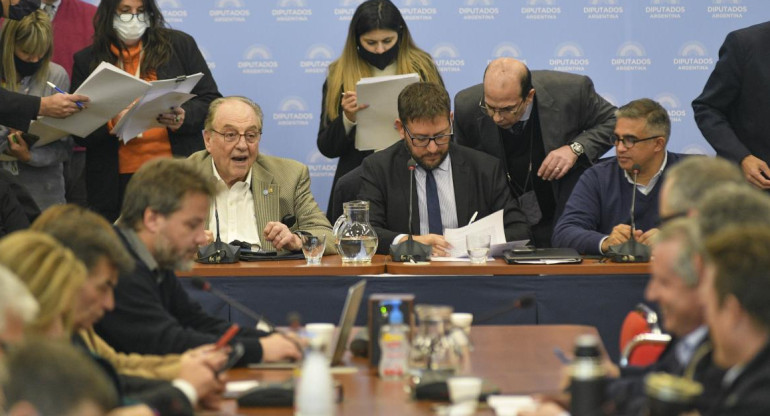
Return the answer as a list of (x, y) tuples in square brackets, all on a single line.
[(646, 189), (237, 219), (446, 197)]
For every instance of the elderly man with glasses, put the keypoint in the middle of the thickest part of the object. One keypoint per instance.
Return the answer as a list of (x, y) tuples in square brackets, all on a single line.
[(546, 127), (452, 183), (255, 192), (598, 213)]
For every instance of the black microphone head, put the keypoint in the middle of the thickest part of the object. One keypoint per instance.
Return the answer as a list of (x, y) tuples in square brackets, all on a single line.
[(636, 168), (411, 163), (525, 302), (200, 283), (289, 220)]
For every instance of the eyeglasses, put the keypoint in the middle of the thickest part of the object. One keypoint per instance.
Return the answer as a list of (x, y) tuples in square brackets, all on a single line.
[(126, 17), (440, 139), (629, 141), (505, 111), (232, 136)]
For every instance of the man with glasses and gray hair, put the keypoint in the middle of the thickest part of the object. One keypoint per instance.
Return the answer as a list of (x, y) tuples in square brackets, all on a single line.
[(452, 183), (255, 192), (570, 130), (598, 213)]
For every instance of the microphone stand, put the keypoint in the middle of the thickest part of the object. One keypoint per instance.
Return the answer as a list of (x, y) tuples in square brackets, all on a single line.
[(218, 252), (631, 251), (410, 250)]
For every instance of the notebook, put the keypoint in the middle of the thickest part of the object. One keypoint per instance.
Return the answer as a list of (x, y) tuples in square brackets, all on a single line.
[(543, 256)]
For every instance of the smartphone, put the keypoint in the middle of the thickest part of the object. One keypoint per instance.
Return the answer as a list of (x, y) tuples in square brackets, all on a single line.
[(227, 336)]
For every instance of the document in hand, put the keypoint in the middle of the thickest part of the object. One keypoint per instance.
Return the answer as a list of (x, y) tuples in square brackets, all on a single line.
[(162, 95), (492, 224), (110, 90), (374, 125)]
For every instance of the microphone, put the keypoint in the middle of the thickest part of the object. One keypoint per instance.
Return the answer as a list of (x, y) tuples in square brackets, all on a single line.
[(635, 169), (410, 250), (631, 251), (262, 322), (523, 302), (218, 252)]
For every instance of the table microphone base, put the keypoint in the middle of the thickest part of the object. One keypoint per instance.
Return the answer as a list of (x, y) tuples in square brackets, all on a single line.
[(410, 250)]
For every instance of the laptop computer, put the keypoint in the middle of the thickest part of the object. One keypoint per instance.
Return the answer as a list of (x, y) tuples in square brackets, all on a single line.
[(345, 326), (543, 256)]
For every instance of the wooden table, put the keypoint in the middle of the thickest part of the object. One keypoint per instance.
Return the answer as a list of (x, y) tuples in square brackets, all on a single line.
[(518, 359)]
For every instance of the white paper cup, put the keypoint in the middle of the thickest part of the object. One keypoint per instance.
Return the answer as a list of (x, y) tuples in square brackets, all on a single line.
[(463, 321), (464, 389), (510, 405), (323, 331)]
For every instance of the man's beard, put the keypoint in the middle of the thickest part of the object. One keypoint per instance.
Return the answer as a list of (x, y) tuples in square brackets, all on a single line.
[(169, 258)]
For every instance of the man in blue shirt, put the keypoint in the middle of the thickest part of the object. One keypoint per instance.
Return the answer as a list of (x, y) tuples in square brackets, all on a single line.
[(597, 214)]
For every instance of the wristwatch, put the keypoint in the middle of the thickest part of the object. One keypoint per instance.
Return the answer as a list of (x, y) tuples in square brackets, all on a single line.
[(577, 148)]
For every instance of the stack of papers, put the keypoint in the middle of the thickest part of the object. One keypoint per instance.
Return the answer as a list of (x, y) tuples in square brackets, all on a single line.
[(491, 224), (374, 125)]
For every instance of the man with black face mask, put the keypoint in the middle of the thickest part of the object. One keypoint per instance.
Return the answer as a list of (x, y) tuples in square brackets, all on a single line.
[(17, 110)]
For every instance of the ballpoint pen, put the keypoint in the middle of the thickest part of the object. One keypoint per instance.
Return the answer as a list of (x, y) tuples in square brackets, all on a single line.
[(52, 85), (473, 218)]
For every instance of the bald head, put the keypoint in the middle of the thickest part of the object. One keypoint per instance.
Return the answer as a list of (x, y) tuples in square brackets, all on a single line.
[(509, 74), (507, 91)]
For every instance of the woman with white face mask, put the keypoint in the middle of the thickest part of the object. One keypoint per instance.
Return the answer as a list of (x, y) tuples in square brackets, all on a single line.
[(132, 35)]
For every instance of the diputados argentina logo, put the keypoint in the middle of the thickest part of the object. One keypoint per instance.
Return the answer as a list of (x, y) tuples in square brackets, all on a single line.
[(603, 10), (320, 166), (479, 10), (506, 49), (230, 11), (292, 112), (346, 9), (541, 9), (673, 106), (665, 9), (692, 56), (291, 11), (631, 56), (447, 58), (173, 11), (257, 59), (727, 9), (417, 10), (317, 59), (569, 57)]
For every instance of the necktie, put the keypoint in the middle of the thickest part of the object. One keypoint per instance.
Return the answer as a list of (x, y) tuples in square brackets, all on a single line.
[(518, 128), (434, 207), (49, 9)]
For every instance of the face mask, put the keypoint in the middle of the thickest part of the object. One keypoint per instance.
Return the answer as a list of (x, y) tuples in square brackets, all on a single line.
[(129, 31), (379, 60), (25, 69), (18, 11)]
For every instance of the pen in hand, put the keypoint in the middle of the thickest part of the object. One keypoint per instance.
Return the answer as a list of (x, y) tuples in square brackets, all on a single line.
[(473, 218), (52, 85)]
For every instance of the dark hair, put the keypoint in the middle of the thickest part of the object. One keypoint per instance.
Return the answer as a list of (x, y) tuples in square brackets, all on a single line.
[(156, 40), (376, 14), (651, 111), (423, 101), (55, 378), (742, 259), (86, 233), (161, 185)]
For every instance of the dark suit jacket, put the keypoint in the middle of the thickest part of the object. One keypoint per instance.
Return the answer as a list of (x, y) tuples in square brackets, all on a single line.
[(479, 184), (749, 394), (18, 110), (569, 110), (732, 111), (102, 156)]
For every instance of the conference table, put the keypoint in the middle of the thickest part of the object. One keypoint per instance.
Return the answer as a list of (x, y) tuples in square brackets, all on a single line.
[(592, 293), (516, 359)]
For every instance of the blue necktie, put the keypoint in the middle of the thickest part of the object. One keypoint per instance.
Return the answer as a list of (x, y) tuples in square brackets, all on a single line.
[(434, 207)]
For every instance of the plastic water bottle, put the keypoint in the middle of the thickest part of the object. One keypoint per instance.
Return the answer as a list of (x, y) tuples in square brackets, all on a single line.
[(315, 391), (394, 345), (588, 378)]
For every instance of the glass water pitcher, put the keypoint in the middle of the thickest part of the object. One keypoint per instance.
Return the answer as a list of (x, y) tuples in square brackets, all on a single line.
[(435, 345), (355, 238)]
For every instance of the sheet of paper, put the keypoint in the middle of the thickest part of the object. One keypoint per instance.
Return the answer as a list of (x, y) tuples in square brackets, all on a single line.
[(46, 133), (110, 90), (162, 95), (234, 389), (374, 125), (492, 224)]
